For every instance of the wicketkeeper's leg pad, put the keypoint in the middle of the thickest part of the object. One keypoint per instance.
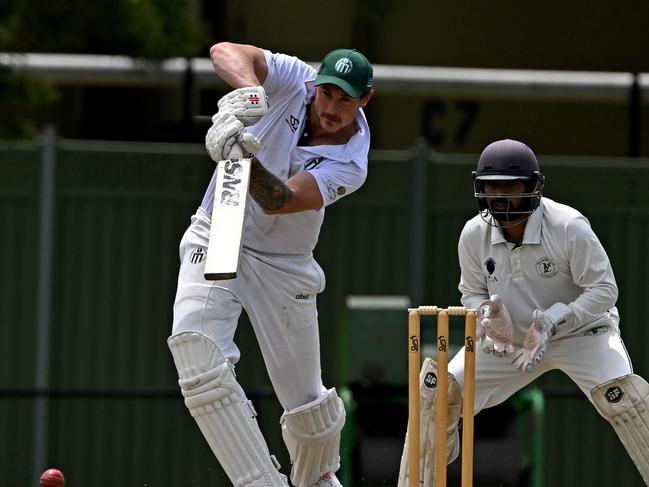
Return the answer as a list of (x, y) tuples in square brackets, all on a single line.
[(625, 403), (224, 415), (427, 390), (312, 436)]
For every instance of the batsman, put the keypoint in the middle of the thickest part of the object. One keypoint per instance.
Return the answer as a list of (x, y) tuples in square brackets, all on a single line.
[(545, 293), (308, 140)]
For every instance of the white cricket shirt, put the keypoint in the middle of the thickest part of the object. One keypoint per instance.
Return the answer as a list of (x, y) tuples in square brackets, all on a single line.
[(338, 169), (560, 268)]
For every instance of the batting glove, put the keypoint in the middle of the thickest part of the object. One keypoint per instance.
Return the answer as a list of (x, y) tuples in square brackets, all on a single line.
[(222, 135), (248, 104), (530, 355)]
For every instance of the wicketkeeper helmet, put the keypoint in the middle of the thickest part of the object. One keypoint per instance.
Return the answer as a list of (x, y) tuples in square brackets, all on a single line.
[(506, 160)]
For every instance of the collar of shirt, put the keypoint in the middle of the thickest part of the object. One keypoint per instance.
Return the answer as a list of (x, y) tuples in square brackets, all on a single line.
[(532, 233)]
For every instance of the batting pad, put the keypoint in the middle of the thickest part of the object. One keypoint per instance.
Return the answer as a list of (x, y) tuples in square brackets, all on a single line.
[(427, 391), (625, 402), (312, 436), (224, 415)]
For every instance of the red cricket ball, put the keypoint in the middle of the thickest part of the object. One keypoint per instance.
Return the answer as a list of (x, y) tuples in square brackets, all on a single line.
[(52, 477)]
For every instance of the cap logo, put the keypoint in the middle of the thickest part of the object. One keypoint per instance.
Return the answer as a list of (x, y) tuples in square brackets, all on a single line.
[(344, 65)]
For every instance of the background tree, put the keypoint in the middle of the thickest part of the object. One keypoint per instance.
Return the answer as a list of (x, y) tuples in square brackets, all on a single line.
[(148, 29)]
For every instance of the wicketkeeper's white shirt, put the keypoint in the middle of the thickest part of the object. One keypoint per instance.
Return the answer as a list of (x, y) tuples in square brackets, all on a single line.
[(338, 169), (561, 268)]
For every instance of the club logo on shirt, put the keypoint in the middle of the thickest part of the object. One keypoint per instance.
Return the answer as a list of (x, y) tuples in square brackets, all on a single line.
[(331, 191), (341, 190), (293, 123), (546, 268), (490, 264), (311, 163), (197, 255)]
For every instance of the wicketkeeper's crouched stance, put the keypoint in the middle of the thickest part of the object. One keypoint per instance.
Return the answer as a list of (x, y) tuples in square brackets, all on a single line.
[(308, 140), (545, 294)]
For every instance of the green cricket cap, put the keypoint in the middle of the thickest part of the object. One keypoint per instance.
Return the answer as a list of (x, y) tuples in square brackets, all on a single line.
[(348, 69)]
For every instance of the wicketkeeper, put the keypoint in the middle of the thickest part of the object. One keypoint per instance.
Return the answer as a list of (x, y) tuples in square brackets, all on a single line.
[(545, 293), (308, 139)]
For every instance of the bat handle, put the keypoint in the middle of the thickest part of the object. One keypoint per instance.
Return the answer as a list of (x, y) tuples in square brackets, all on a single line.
[(236, 151)]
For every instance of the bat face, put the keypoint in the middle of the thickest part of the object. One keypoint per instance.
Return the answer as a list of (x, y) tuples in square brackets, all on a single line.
[(228, 215), (230, 191)]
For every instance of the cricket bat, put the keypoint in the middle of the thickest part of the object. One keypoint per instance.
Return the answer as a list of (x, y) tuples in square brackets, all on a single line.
[(228, 217)]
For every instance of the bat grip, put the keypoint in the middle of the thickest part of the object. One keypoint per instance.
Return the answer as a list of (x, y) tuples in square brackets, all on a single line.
[(236, 151)]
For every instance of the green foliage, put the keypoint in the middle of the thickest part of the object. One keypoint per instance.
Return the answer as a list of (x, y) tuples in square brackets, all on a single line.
[(20, 97), (152, 29), (9, 20), (163, 28)]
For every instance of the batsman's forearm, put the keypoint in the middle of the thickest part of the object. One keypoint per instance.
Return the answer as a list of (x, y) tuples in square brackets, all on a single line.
[(267, 190), (235, 64)]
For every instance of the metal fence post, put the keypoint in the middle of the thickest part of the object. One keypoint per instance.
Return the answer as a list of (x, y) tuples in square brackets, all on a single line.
[(635, 117), (43, 298), (418, 217)]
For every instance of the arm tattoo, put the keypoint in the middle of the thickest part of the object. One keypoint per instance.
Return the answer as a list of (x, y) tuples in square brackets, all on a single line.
[(266, 188)]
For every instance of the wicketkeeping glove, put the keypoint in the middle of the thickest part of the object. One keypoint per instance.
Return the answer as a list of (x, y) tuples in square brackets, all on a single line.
[(534, 345), (495, 330), (225, 131), (248, 104)]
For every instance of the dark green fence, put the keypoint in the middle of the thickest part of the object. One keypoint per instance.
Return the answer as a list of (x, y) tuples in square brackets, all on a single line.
[(104, 407)]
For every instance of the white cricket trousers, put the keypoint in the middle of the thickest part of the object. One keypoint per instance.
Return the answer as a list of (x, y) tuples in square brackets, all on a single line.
[(278, 293), (589, 358)]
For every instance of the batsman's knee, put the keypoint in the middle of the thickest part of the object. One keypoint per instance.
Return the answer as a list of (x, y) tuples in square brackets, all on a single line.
[(204, 374)]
